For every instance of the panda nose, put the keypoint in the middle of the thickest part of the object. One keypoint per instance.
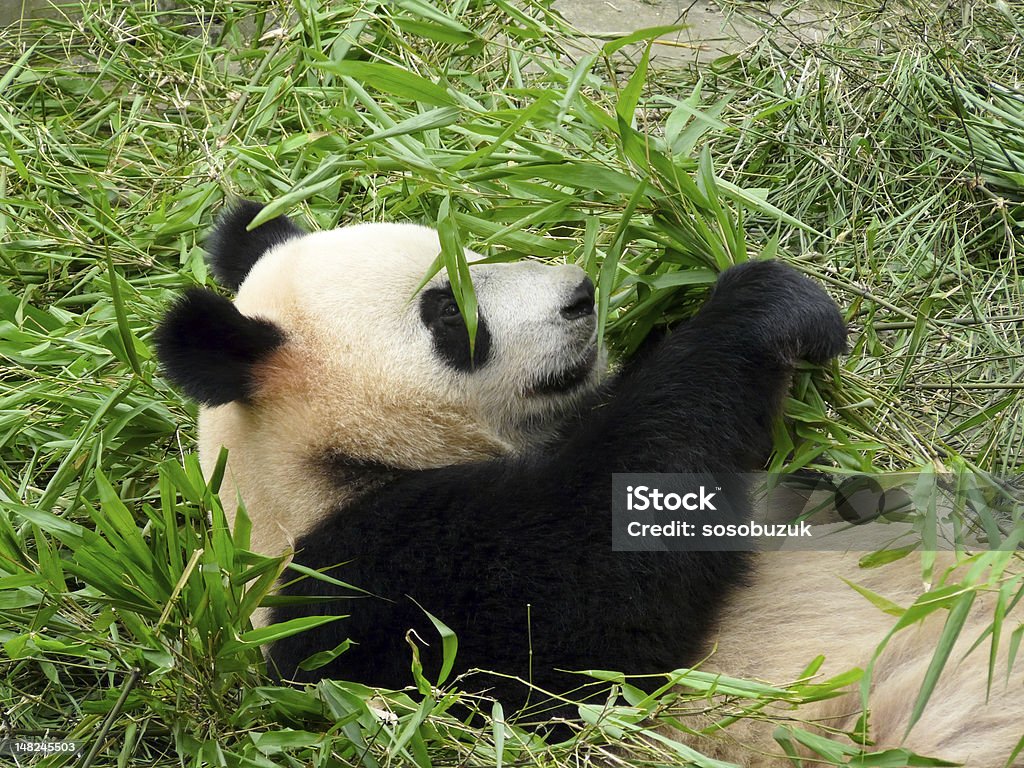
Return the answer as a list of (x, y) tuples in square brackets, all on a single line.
[(580, 303)]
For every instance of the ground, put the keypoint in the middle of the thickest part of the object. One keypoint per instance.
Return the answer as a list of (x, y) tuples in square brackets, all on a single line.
[(712, 31)]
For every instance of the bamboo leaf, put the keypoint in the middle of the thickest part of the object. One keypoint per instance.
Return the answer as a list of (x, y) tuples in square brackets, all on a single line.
[(390, 79), (648, 33), (950, 632)]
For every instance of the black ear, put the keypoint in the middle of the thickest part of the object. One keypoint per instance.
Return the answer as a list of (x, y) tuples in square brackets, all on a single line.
[(208, 348), (232, 250)]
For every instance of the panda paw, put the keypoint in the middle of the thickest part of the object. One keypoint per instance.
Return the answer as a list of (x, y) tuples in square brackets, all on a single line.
[(791, 313)]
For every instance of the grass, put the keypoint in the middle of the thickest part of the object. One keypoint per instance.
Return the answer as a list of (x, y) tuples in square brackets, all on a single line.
[(885, 160)]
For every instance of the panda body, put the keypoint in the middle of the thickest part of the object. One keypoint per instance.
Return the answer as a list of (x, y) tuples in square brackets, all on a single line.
[(477, 488)]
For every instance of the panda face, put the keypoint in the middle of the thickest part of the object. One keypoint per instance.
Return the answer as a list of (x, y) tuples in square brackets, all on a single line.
[(346, 300), (536, 352), (361, 369)]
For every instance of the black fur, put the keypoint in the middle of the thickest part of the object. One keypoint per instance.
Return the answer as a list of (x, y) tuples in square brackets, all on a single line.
[(440, 313), (516, 554), (208, 348), (580, 303), (232, 250)]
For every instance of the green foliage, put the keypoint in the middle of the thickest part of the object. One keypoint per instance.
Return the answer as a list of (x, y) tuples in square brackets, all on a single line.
[(881, 162), (896, 141)]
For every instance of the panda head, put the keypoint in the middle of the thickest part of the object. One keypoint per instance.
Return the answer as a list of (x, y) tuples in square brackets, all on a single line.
[(330, 366)]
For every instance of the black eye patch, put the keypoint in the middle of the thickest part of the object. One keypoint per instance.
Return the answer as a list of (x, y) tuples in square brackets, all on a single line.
[(440, 314)]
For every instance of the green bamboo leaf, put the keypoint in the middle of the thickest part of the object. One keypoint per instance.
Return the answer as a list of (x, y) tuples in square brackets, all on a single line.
[(299, 193), (756, 202), (425, 121), (998, 615), (572, 88), (410, 729), (830, 749), (885, 556), (454, 257), (1017, 749), (726, 234), (15, 68), (897, 758), (390, 79), (950, 633), (432, 13), (323, 658), (882, 603), (609, 267), (517, 238), (647, 33), (321, 576), (120, 525), (1013, 647), (125, 332), (630, 95), (49, 522), (579, 174), (439, 32), (711, 682), (449, 645), (269, 634), (917, 337), (673, 279), (521, 118), (688, 122)]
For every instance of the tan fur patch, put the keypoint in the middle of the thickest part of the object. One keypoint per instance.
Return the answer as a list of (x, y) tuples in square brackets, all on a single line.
[(283, 374), (800, 607)]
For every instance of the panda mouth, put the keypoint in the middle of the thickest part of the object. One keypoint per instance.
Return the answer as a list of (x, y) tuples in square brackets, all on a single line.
[(567, 379)]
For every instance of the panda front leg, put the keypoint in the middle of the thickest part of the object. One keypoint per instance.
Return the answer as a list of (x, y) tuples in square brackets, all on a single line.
[(705, 398)]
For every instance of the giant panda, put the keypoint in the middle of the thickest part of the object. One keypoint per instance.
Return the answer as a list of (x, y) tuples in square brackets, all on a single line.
[(474, 484)]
